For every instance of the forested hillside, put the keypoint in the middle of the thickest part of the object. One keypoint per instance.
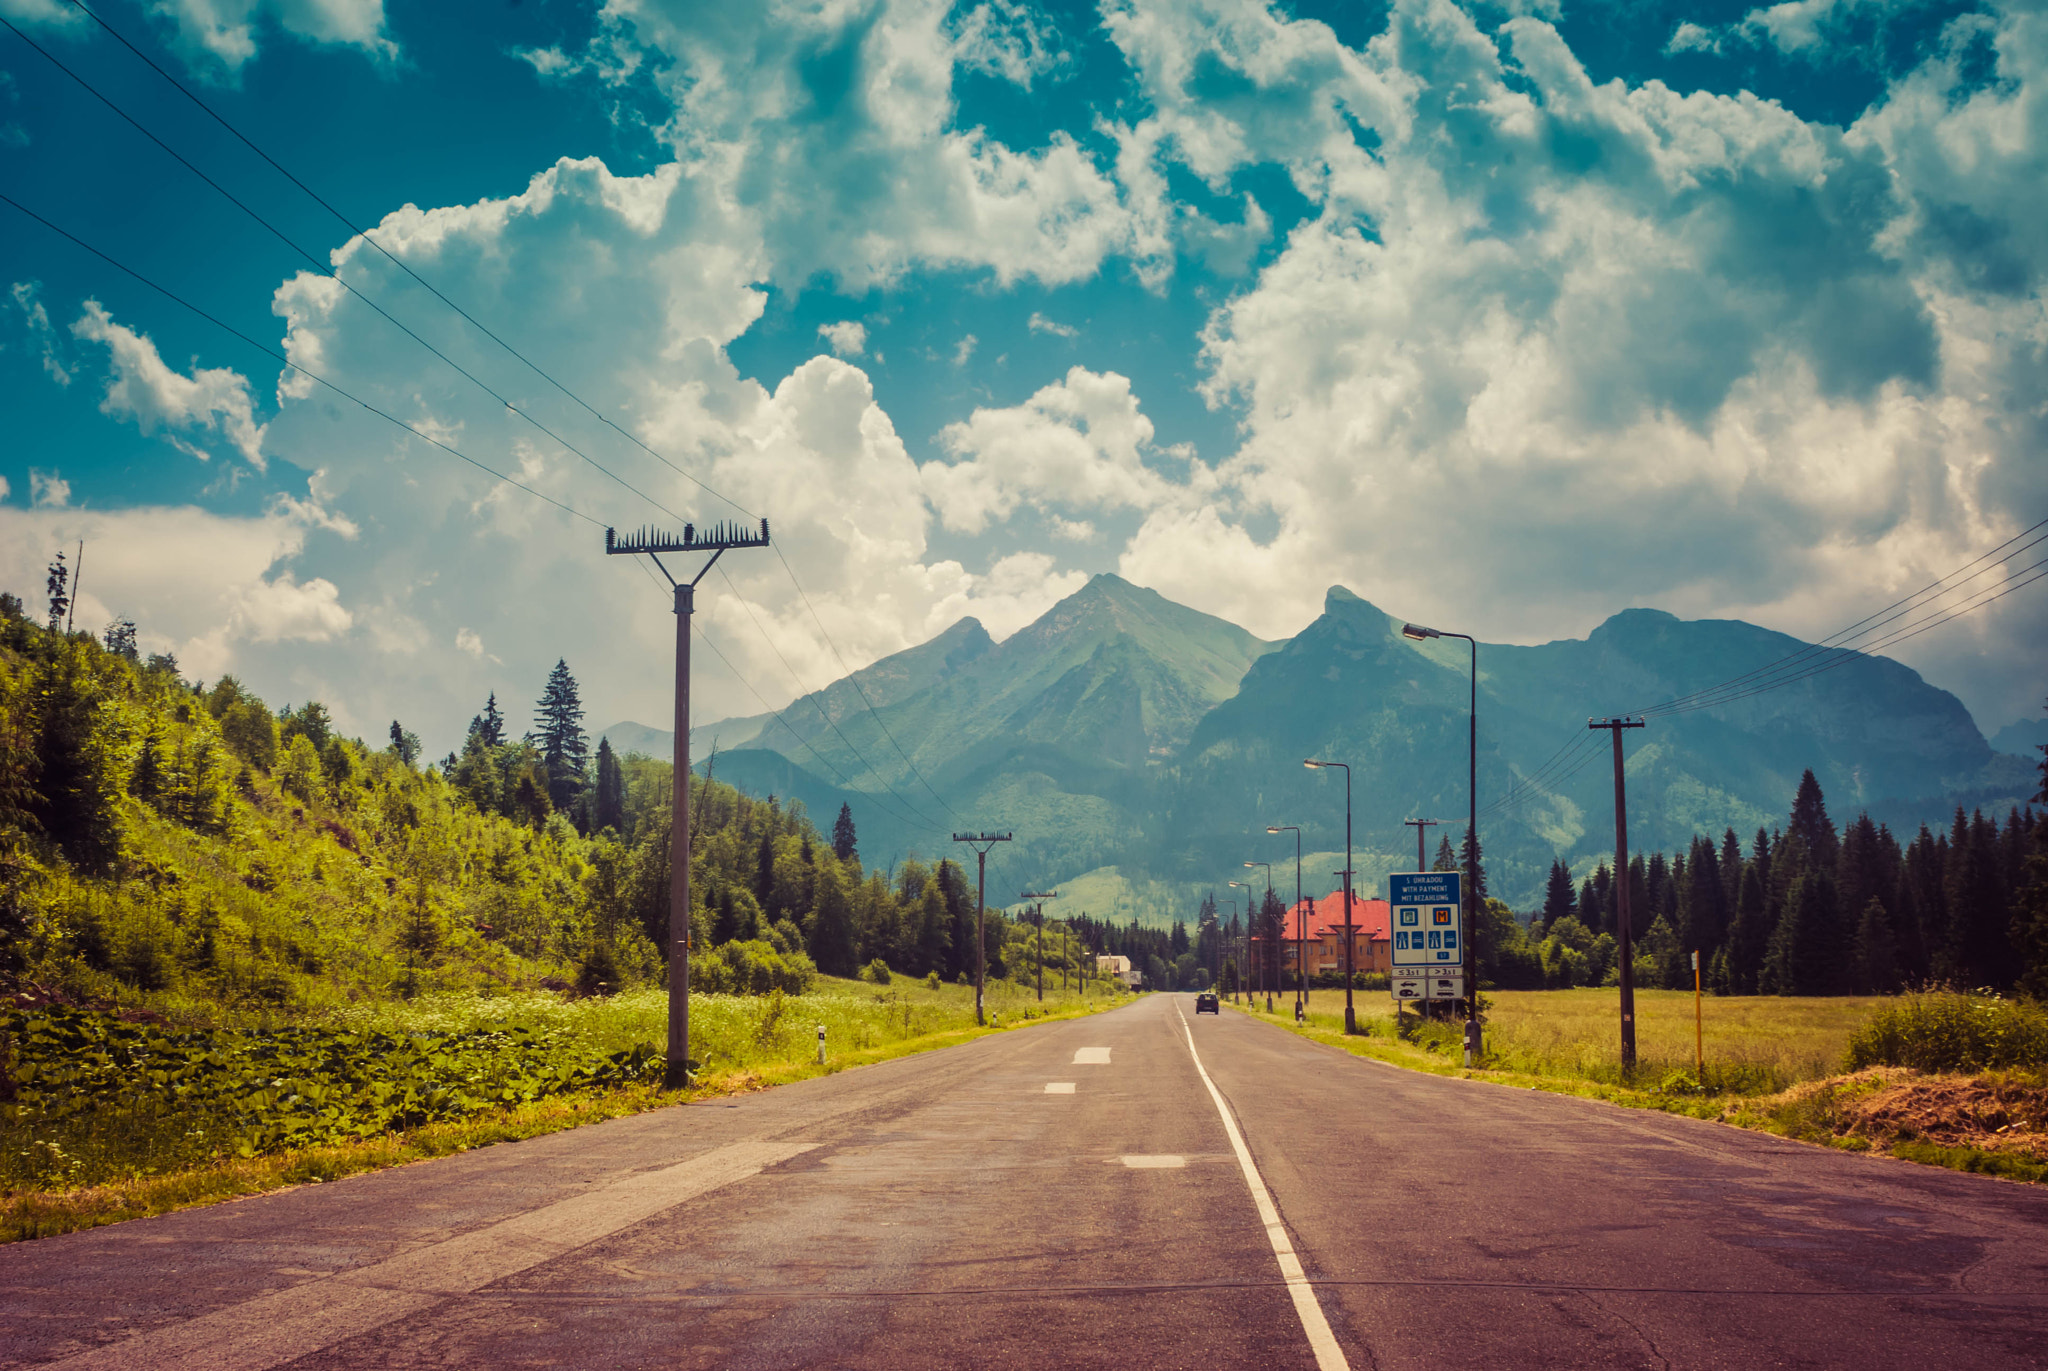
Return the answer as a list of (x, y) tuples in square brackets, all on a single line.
[(1808, 909), (189, 847)]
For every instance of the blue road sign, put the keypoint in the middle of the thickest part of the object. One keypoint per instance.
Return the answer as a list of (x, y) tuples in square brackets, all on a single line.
[(1426, 900)]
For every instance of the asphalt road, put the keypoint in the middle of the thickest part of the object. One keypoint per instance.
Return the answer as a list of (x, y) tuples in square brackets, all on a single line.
[(951, 1210)]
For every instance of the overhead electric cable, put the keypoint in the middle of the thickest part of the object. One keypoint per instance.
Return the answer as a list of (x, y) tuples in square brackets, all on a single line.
[(474, 322), (424, 284), (290, 365), (1859, 627), (775, 714), (819, 706), (328, 271)]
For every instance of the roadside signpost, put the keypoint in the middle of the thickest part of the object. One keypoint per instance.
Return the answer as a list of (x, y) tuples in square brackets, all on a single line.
[(1426, 909)]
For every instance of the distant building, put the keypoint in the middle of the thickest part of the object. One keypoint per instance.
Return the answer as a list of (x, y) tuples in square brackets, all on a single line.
[(1120, 968), (1314, 932)]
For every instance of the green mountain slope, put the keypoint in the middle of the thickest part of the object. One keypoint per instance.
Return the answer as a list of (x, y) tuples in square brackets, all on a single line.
[(1123, 730)]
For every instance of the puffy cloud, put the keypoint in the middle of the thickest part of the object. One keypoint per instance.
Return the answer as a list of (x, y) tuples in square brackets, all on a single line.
[(217, 38), (212, 588), (1015, 41), (832, 129), (627, 289), (141, 387), (1038, 323), (1079, 444), (1549, 346), (847, 339), (48, 490)]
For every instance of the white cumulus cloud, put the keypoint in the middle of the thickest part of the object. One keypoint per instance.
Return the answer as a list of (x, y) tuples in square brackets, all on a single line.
[(141, 387)]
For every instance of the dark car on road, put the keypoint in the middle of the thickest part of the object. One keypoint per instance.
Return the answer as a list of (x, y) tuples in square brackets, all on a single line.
[(1205, 1003)]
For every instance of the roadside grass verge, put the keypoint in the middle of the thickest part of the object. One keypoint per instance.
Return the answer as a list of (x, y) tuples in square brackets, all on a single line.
[(745, 1043), (1900, 1076)]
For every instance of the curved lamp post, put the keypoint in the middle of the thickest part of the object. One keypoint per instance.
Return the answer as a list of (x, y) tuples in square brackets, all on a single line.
[(1300, 945), (1418, 633), (1350, 1015)]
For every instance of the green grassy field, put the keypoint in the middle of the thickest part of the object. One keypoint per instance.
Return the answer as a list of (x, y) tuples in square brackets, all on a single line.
[(85, 1169), (1754, 1044)]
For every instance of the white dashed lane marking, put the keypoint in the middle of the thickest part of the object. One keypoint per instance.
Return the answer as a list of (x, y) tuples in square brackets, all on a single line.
[(1092, 1056), (1059, 1087), (1155, 1163)]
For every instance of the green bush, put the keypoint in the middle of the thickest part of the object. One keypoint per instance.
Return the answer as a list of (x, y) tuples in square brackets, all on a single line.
[(83, 1077), (876, 971), (1947, 1031), (752, 967)]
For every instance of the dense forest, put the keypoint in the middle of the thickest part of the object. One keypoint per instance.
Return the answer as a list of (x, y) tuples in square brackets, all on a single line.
[(1803, 909), (190, 844)]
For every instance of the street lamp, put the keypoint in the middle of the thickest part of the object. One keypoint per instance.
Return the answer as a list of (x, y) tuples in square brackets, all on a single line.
[(1350, 1015), (1300, 949), (1219, 949), (1418, 633), (1262, 915), (1041, 896)]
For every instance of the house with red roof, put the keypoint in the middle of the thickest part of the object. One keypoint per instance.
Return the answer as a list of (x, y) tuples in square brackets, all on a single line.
[(1314, 934)]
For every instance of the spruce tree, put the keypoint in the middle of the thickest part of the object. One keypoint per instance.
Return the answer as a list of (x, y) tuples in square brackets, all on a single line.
[(1810, 822), (491, 723), (1474, 862), (1809, 948), (608, 810), (58, 586), (1873, 959), (1446, 859), (1748, 934), (1558, 902), (404, 746), (843, 838), (565, 751), (831, 932)]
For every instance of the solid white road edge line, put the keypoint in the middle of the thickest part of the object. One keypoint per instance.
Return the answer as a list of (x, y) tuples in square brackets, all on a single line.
[(1329, 1356)]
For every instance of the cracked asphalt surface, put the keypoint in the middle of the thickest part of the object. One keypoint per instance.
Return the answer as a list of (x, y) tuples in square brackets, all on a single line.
[(948, 1210)]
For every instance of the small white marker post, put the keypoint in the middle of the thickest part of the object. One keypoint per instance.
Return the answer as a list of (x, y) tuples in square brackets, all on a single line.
[(821, 1044)]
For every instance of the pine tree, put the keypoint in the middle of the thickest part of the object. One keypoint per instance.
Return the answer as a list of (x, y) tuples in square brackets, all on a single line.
[(1810, 822), (491, 723), (1557, 896), (1873, 958), (831, 931), (565, 751), (2030, 912), (58, 585), (1808, 951), (1705, 916), (609, 809), (843, 838), (1748, 934), (1446, 859), (1474, 862), (404, 746)]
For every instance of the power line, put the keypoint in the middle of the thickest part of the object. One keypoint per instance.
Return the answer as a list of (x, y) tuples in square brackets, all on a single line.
[(328, 271), (324, 269), (347, 223), (364, 234), (1859, 629), (1837, 649), (287, 363)]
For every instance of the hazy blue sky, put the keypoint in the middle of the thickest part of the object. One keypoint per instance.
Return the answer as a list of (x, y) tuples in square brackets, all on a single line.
[(1506, 316)]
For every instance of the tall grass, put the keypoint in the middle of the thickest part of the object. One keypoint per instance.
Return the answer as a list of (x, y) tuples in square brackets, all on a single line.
[(1754, 1044), (1949, 1031)]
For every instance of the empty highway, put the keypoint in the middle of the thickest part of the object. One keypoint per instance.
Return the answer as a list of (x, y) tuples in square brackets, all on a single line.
[(1139, 1189)]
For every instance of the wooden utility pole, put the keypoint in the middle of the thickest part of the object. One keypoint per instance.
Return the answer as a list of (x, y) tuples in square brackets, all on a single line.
[(715, 540), (1421, 827), (1041, 896), (981, 843), (1622, 931)]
